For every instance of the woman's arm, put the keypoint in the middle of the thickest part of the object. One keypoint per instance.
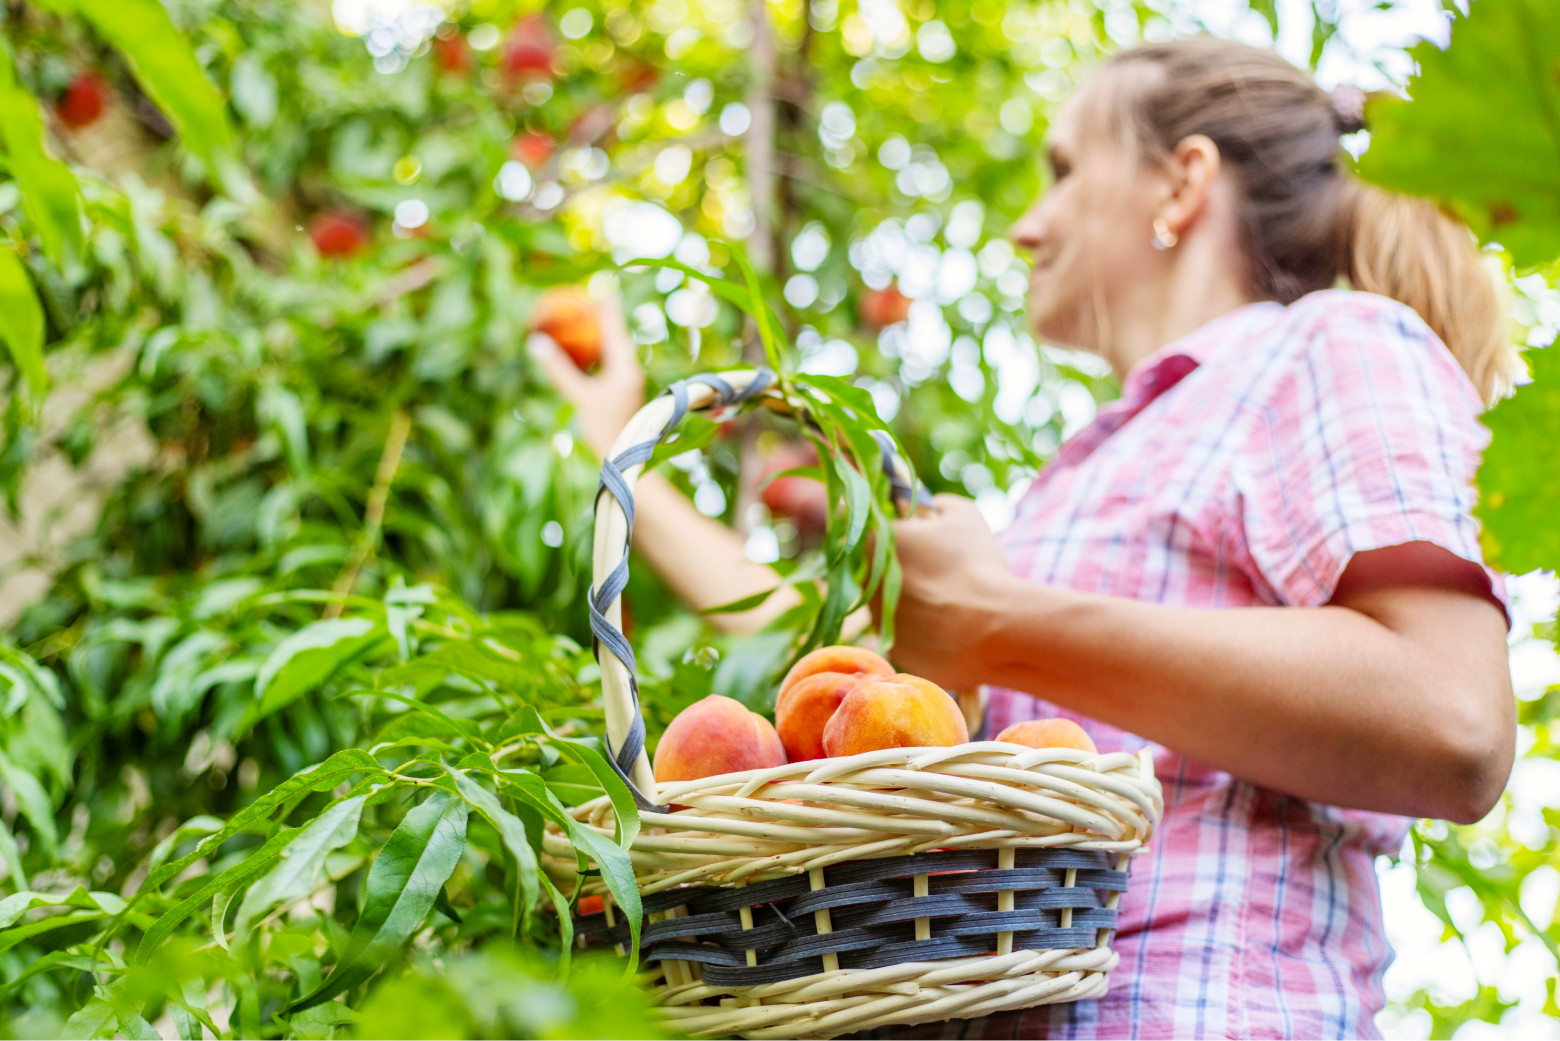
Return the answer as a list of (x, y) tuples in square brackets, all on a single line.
[(702, 560), (1395, 697)]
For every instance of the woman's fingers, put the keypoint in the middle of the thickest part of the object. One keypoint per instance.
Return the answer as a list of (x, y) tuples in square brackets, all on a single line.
[(561, 371), (617, 346), (603, 402)]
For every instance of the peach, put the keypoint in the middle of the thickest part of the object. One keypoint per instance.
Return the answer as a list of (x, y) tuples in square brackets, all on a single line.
[(881, 307), (717, 735), (900, 712), (568, 315), (839, 658), (1049, 733), (805, 708)]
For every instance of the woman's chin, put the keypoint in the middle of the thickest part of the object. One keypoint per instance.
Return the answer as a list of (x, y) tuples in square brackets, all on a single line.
[(1057, 327)]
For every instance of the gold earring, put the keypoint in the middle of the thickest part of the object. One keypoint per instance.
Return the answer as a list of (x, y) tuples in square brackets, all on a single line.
[(1164, 238)]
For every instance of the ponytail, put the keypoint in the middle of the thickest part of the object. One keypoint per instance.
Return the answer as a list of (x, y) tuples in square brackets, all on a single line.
[(1307, 222), (1407, 249)]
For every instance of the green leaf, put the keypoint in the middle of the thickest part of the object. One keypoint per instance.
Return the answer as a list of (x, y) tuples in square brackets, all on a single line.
[(302, 864), (617, 870), (14, 906), (21, 321), (768, 330), (49, 190), (321, 778), (747, 603), (510, 829), (93, 1019), (441, 723), (166, 67), (219, 909), (696, 433), (232, 878), (1519, 497), (13, 856), (308, 658), (32, 800), (1482, 133), (403, 885), (563, 909), (572, 783), (727, 290), (623, 808), (858, 500)]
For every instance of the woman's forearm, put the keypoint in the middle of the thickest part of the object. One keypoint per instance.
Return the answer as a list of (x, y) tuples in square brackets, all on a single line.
[(1365, 706), (702, 560), (705, 563)]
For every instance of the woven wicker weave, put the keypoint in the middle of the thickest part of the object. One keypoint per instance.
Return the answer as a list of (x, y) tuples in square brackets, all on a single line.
[(899, 886)]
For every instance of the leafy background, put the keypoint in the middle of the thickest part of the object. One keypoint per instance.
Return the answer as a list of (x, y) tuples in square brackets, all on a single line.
[(273, 505)]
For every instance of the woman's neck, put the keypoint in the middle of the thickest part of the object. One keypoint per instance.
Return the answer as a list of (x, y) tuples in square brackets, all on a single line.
[(1202, 279)]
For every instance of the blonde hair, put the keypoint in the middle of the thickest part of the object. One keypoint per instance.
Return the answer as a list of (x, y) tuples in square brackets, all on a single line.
[(1307, 221)]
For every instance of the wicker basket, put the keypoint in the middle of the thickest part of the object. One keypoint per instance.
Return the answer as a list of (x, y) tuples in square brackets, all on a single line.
[(900, 886)]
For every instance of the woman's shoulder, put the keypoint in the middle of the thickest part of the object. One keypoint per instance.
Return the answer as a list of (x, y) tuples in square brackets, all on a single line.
[(1369, 342), (1352, 313)]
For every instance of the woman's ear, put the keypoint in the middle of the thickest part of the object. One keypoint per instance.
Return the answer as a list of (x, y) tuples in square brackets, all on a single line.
[(1191, 171)]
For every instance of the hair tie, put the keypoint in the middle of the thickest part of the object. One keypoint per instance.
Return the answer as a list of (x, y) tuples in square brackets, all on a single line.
[(1348, 105)]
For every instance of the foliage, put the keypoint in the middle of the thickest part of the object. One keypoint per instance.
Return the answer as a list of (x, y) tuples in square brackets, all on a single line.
[(279, 742), (1481, 135), (1502, 176)]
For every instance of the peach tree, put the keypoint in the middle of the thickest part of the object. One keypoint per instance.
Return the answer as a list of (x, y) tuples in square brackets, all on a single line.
[(285, 727)]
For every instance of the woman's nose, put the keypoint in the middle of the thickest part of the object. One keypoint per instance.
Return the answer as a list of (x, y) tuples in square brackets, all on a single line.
[(1029, 230)]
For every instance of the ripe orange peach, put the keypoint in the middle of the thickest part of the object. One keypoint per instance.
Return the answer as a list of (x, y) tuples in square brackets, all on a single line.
[(839, 658), (590, 905), (717, 735), (568, 315), (881, 307), (1049, 733), (805, 707), (901, 712)]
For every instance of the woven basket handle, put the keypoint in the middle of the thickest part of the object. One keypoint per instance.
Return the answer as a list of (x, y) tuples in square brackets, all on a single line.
[(722, 393)]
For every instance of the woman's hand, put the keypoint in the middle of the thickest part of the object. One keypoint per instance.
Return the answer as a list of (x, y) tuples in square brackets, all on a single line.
[(606, 401), (955, 583)]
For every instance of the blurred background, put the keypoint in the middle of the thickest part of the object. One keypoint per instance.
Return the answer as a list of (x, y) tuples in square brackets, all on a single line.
[(287, 351)]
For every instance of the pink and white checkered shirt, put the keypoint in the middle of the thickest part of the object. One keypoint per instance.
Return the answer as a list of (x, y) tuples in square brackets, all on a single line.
[(1244, 465)]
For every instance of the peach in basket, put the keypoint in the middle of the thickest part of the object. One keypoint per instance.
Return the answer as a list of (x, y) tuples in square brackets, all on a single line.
[(813, 690), (902, 711), (1049, 733), (717, 735)]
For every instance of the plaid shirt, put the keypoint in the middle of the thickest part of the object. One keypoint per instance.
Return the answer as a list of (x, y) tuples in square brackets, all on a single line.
[(1244, 465)]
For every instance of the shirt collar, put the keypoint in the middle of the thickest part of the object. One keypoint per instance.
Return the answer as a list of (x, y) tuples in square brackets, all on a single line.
[(1176, 360)]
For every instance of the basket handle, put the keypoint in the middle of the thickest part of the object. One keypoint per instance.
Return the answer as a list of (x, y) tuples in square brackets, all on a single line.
[(722, 392)]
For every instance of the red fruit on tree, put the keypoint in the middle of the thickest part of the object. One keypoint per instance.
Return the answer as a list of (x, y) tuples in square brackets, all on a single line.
[(635, 75), (568, 315), (83, 101), (529, 52), (337, 234), (451, 54), (533, 148), (801, 499), (881, 307)]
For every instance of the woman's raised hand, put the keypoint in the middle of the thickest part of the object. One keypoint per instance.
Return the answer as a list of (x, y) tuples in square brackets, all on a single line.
[(955, 577), (605, 401)]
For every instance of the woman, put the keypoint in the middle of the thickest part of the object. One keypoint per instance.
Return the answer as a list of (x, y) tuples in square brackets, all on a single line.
[(1260, 562)]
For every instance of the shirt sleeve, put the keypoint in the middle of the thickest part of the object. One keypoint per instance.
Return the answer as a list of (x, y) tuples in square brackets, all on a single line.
[(1368, 437)]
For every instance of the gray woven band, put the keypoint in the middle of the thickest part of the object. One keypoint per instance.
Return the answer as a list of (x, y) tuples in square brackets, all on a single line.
[(872, 908)]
